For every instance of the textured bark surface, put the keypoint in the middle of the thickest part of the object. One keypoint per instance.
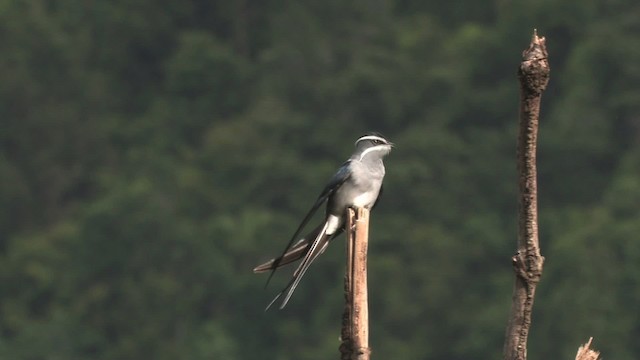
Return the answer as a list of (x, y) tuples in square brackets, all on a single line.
[(355, 319), (346, 344), (527, 262)]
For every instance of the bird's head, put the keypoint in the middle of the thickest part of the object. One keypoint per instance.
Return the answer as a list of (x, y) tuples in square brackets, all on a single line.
[(374, 145)]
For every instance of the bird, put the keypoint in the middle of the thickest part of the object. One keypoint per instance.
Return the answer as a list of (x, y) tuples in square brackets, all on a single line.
[(357, 183)]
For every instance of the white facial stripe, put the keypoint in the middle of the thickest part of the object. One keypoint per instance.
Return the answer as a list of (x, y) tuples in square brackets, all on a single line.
[(374, 148), (371, 137)]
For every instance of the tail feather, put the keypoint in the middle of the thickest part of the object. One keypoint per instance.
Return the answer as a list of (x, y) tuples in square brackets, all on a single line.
[(295, 253), (315, 248)]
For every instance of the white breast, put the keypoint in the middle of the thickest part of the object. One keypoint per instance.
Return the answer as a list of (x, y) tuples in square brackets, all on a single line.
[(365, 199)]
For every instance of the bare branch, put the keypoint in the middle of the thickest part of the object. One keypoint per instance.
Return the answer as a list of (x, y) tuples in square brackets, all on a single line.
[(527, 262)]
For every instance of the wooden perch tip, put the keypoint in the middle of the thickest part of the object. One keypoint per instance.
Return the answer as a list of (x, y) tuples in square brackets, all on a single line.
[(534, 69), (586, 353)]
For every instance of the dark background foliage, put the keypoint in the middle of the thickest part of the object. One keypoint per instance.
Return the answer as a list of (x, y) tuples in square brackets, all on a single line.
[(153, 152)]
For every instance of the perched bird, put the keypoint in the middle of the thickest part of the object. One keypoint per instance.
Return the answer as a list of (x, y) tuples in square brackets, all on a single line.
[(357, 183)]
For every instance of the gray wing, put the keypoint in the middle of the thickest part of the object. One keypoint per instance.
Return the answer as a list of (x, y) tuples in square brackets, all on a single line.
[(343, 173)]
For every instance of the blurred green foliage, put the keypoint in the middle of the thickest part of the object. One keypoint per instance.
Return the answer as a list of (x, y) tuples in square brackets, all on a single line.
[(153, 152)]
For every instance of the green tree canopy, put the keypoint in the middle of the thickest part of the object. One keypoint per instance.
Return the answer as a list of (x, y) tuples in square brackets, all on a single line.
[(153, 152)]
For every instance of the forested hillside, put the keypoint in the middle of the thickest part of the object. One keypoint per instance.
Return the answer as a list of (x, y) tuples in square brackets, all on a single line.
[(152, 152)]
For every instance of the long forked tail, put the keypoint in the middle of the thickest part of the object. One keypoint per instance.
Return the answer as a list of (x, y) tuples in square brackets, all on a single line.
[(295, 253), (316, 247)]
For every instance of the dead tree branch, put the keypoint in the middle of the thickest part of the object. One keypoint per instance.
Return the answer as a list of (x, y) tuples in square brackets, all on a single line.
[(527, 262)]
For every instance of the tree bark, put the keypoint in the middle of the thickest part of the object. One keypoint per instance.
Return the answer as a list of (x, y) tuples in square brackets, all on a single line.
[(527, 262), (355, 319)]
